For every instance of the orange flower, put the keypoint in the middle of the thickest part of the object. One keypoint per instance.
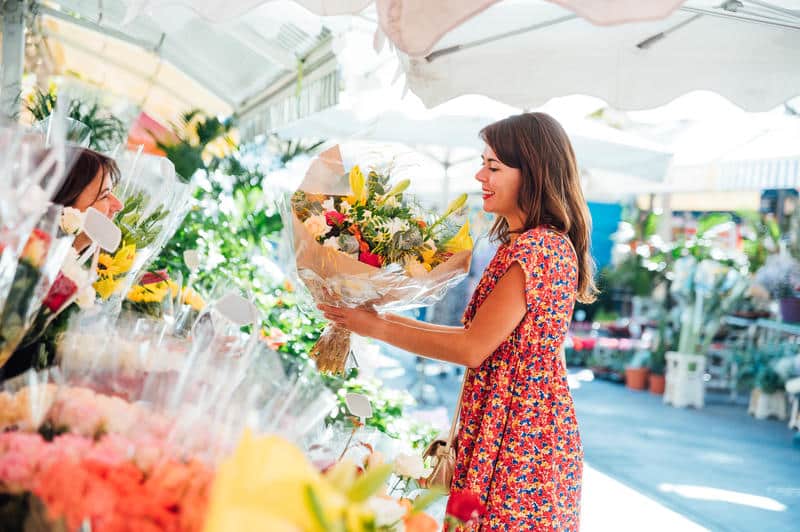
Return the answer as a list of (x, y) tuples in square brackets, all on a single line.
[(420, 522)]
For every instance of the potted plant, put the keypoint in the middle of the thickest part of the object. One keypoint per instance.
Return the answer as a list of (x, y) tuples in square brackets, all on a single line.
[(658, 360), (766, 370), (705, 291), (780, 276), (637, 371)]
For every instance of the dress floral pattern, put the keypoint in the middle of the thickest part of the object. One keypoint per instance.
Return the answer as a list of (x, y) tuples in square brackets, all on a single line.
[(518, 445)]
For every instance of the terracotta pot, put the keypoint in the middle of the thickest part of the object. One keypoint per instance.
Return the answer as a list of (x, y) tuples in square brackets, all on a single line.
[(657, 384), (636, 378)]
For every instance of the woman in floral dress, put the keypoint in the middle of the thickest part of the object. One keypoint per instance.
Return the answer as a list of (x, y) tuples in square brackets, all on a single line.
[(518, 446)]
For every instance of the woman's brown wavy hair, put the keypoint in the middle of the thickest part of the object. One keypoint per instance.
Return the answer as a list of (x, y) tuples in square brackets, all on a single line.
[(551, 194)]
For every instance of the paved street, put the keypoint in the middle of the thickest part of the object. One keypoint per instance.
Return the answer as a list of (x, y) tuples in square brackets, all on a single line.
[(650, 467)]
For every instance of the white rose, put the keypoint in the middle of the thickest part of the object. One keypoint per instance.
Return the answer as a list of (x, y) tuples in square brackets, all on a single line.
[(72, 220), (317, 225), (392, 202), (410, 466), (74, 271), (86, 297), (332, 242), (328, 205), (387, 512), (414, 267)]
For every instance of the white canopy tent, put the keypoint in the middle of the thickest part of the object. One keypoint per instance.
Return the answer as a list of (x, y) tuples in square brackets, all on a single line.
[(744, 49), (551, 52), (274, 64), (448, 134)]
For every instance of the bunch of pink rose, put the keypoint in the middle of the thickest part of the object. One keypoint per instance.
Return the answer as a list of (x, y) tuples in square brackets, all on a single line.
[(80, 411)]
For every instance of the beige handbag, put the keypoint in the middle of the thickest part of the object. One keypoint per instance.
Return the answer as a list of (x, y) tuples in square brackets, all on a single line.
[(443, 454)]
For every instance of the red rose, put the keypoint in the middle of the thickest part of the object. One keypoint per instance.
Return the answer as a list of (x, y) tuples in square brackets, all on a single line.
[(334, 218), (154, 277), (370, 258), (63, 288), (465, 506), (36, 247)]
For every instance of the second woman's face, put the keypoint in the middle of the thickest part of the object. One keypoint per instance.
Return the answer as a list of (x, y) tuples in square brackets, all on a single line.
[(500, 185), (100, 196)]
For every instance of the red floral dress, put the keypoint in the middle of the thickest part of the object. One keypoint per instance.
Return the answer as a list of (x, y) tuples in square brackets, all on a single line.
[(518, 444)]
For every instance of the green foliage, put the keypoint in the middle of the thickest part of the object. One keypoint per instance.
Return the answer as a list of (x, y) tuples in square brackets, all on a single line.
[(107, 130), (137, 230), (763, 240), (194, 132)]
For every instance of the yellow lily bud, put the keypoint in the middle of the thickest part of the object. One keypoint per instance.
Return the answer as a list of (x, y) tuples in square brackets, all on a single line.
[(357, 185), (462, 241), (399, 188), (455, 205)]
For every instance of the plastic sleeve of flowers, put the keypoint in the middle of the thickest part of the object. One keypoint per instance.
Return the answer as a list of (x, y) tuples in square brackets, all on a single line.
[(161, 203), (37, 267), (357, 240), (27, 399)]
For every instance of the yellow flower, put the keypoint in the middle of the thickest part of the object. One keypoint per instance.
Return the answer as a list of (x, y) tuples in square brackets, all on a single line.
[(150, 293), (105, 286), (269, 484), (193, 299), (357, 187), (461, 242), (120, 263)]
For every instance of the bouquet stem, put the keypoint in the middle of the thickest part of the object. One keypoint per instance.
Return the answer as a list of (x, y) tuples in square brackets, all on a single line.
[(331, 350)]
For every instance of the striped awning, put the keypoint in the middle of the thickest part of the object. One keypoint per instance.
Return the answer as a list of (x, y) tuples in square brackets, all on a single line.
[(759, 174)]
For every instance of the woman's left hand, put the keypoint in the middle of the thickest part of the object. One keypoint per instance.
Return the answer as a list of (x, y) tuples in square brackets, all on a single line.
[(360, 321)]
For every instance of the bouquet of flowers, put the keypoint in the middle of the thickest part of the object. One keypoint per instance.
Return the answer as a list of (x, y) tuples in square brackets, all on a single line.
[(359, 240), (37, 268)]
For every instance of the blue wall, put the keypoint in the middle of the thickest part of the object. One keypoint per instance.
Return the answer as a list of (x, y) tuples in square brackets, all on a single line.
[(604, 223)]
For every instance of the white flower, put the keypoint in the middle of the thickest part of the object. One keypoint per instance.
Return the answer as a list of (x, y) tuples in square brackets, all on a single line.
[(410, 466), (430, 244), (328, 205), (414, 267), (317, 225), (332, 242), (344, 207), (72, 220), (367, 215), (396, 225), (74, 271), (86, 297), (392, 202), (387, 512)]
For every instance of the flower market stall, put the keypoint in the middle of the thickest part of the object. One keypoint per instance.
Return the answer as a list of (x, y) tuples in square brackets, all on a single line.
[(170, 217)]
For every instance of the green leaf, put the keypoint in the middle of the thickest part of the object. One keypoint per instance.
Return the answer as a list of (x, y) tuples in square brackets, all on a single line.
[(710, 221), (427, 498), (316, 508), (369, 483)]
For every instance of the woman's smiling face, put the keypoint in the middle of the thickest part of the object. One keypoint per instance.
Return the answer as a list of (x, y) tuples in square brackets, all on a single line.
[(501, 185)]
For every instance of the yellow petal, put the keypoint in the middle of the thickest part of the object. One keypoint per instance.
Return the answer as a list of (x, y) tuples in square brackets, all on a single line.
[(462, 241), (357, 184), (267, 479), (105, 287)]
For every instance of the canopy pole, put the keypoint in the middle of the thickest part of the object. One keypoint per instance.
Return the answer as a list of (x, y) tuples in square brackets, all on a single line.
[(13, 56)]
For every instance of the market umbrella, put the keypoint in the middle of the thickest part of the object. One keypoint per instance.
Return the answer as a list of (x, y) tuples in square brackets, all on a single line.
[(414, 26), (524, 53)]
